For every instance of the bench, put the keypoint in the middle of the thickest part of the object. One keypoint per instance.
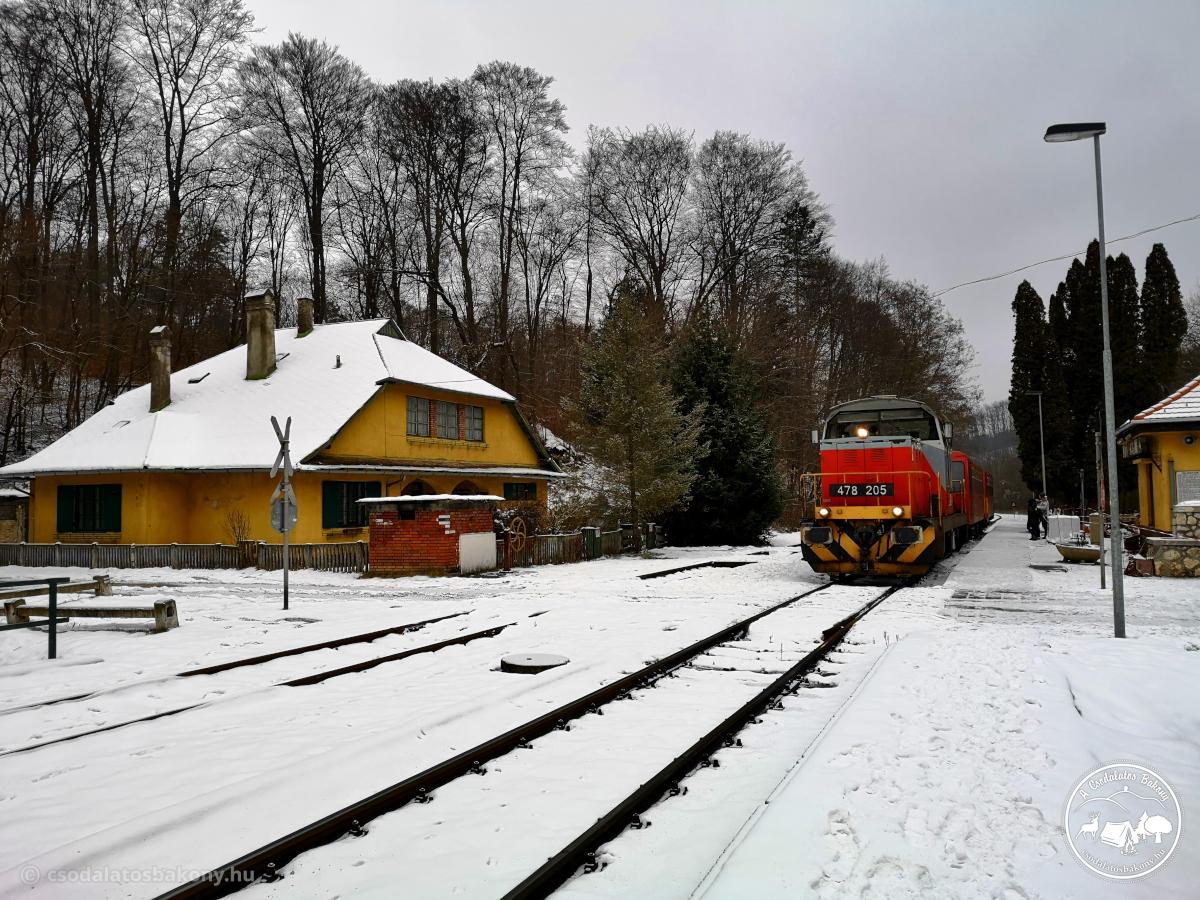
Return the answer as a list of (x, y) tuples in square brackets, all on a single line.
[(101, 585), (164, 613)]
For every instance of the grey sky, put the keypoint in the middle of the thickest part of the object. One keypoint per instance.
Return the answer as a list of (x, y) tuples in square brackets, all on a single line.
[(919, 124)]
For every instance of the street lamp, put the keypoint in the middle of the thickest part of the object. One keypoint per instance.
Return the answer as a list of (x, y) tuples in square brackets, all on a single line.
[(1041, 438), (1077, 132)]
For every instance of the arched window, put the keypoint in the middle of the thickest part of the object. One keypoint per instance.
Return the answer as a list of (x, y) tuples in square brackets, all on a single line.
[(417, 487), (466, 487)]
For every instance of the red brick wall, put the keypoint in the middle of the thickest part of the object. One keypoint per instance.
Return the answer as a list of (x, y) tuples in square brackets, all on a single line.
[(421, 544)]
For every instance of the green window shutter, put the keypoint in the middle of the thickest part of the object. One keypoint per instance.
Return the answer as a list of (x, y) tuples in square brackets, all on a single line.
[(331, 504), (66, 508), (110, 507)]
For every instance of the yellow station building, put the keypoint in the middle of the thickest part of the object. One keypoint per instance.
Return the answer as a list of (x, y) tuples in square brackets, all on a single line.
[(1164, 442), (186, 459)]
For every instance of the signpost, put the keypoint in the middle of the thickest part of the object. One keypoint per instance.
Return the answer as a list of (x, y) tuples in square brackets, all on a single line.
[(284, 508)]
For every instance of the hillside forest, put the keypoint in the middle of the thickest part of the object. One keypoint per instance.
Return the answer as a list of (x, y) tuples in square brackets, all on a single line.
[(157, 165)]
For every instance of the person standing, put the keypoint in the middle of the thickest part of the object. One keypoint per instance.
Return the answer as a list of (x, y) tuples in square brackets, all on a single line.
[(1044, 515), (1033, 517)]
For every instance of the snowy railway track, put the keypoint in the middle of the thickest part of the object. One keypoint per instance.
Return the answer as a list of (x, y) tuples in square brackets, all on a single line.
[(300, 681), (265, 864)]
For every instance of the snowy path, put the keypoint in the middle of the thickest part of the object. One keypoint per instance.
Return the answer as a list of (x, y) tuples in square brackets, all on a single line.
[(938, 766), (949, 775)]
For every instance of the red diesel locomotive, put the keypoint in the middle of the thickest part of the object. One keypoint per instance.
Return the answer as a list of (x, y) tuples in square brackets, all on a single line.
[(894, 497)]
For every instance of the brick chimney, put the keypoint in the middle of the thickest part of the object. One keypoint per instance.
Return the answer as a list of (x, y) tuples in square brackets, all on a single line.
[(160, 368), (304, 316), (260, 335)]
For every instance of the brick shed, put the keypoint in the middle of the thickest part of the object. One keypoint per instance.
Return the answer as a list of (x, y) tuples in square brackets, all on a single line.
[(431, 534)]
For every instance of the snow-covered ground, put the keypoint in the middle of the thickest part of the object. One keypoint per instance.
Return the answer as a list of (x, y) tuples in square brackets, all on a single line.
[(940, 763)]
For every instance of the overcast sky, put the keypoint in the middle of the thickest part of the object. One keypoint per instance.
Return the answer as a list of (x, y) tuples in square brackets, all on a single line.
[(919, 124)]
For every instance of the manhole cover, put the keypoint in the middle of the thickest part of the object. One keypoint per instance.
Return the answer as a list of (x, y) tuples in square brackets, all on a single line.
[(531, 663)]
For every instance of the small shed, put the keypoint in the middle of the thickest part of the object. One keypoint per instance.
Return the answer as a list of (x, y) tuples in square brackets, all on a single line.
[(14, 515), (431, 534)]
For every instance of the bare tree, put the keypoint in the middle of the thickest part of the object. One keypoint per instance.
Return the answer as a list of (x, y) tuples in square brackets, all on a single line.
[(411, 120), (369, 215), (743, 193), (526, 127), (306, 102), (639, 193), (187, 52), (548, 237)]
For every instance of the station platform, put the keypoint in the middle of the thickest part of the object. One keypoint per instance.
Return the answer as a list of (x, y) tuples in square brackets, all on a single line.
[(948, 771)]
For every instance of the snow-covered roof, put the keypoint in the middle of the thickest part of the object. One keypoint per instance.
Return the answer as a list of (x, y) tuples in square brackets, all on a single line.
[(217, 419), (1181, 407)]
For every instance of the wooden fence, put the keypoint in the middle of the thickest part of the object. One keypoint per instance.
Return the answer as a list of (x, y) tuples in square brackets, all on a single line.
[(539, 550), (544, 550), (343, 557), (123, 556)]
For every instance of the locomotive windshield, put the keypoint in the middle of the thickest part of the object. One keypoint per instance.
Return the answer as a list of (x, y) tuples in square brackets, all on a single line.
[(914, 422)]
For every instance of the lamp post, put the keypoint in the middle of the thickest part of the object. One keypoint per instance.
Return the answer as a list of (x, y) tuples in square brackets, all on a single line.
[(1076, 132), (1041, 438)]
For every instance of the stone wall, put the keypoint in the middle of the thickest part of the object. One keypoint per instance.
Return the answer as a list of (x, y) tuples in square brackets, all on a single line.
[(1178, 556), (1185, 520)]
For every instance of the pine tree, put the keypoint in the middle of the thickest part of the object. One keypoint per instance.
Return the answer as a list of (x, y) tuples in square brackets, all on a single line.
[(1030, 349), (737, 493), (1123, 333), (627, 418), (1164, 324)]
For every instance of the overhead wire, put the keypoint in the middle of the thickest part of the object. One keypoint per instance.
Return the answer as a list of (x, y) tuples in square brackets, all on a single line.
[(1043, 262)]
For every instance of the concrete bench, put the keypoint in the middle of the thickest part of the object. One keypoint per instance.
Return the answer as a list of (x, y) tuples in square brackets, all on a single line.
[(164, 613), (101, 585)]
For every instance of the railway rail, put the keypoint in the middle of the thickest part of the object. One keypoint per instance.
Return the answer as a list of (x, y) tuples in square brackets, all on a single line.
[(365, 637), (266, 862), (314, 678)]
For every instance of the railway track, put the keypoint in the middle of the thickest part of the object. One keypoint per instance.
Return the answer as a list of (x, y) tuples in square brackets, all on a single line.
[(266, 862), (308, 679)]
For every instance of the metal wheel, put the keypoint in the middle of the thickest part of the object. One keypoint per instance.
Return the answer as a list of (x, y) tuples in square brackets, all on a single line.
[(518, 533)]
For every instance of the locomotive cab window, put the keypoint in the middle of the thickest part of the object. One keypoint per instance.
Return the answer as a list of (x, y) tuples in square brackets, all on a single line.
[(958, 474), (914, 423)]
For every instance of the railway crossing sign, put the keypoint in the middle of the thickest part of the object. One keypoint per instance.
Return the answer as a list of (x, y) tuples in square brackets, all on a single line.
[(284, 458), (283, 509)]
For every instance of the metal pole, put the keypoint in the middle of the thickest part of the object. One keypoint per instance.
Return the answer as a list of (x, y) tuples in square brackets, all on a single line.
[(1099, 505), (286, 557), (285, 486), (52, 649), (1110, 428)]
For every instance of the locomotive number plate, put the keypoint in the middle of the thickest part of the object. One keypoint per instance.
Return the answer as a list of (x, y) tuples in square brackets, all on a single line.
[(884, 489)]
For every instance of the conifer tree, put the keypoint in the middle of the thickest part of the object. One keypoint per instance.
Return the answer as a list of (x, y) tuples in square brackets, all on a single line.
[(1030, 349), (1164, 324), (1123, 332), (737, 493), (627, 418)]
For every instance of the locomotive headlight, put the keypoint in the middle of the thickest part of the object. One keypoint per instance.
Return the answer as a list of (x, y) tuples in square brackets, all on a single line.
[(862, 431), (897, 511), (823, 512)]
